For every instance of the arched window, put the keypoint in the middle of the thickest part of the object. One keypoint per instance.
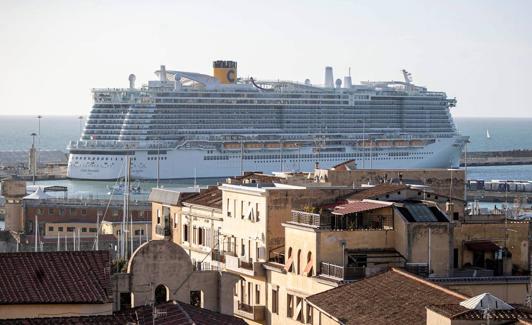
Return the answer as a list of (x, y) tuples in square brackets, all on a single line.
[(161, 294), (289, 260), (298, 270), (308, 268)]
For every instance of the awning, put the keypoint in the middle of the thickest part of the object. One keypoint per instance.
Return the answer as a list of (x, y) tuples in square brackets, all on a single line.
[(482, 245)]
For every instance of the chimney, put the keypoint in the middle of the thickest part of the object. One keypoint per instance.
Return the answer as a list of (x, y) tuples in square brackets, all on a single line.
[(132, 79), (162, 73), (329, 80)]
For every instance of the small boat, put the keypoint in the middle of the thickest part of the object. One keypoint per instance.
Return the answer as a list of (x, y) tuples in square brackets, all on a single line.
[(488, 136), (119, 189)]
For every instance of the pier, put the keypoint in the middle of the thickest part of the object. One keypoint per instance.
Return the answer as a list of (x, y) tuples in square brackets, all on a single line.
[(497, 158)]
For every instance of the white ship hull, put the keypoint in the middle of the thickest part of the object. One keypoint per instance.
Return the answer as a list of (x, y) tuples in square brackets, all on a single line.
[(188, 163)]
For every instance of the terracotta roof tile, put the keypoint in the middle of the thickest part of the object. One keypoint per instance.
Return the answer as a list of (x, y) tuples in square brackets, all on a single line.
[(211, 197), (454, 311), (55, 277), (358, 206), (377, 190), (392, 297)]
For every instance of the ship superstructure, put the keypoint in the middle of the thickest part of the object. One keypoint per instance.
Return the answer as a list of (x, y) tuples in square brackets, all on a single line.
[(189, 124)]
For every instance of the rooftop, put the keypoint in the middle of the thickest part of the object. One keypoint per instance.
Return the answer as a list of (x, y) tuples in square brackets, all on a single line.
[(211, 197), (55, 277), (377, 190), (359, 206), (392, 297)]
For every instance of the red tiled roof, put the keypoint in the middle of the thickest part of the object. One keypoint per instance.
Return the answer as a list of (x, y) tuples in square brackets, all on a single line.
[(392, 297), (55, 277), (376, 191), (454, 311), (358, 206), (211, 197)]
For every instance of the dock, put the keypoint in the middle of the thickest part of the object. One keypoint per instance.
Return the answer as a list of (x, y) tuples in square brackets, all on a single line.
[(497, 158)]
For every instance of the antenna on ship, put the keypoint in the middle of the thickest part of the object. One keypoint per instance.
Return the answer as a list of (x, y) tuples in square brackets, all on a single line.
[(407, 75)]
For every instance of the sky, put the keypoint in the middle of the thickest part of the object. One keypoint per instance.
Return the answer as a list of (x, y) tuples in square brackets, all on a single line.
[(53, 52)]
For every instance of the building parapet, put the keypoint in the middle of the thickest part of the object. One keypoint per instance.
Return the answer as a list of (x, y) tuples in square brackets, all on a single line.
[(243, 266)]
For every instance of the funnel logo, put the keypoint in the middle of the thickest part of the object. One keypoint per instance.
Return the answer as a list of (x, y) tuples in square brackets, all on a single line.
[(231, 75)]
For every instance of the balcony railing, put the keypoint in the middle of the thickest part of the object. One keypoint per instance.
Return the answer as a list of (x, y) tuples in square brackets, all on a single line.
[(342, 272), (255, 313), (216, 255), (240, 265), (347, 222)]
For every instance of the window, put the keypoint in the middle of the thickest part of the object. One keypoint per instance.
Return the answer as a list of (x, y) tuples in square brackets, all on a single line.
[(228, 208), (83, 212), (51, 211), (139, 232), (289, 305), (60, 229), (243, 248), (72, 211), (61, 212), (70, 229), (299, 309), (83, 229), (92, 229), (194, 235), (288, 265), (308, 268), (185, 232), (201, 236), (39, 211), (257, 216), (242, 209), (275, 301), (195, 298), (158, 216), (309, 314), (175, 220), (257, 294), (298, 270)]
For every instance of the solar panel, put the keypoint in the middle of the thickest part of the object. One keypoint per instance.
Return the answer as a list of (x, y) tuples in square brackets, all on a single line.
[(421, 213)]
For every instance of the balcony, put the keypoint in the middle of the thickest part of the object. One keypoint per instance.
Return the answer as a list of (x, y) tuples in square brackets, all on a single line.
[(243, 266), (342, 273), (255, 313), (217, 256), (347, 222), (162, 231)]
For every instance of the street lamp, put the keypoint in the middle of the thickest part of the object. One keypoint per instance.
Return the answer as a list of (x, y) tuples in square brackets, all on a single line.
[(33, 161)]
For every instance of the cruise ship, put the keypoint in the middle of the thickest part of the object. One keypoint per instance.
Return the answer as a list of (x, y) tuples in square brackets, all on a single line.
[(187, 124)]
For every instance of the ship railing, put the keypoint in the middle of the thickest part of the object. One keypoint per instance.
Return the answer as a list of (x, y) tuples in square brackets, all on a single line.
[(103, 144)]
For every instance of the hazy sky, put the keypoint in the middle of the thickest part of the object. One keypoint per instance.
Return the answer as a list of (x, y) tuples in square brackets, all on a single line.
[(53, 52)]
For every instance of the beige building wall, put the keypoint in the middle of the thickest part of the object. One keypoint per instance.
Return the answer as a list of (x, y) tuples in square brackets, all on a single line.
[(438, 179), (513, 235), (209, 220), (53, 310), (53, 229), (157, 217), (434, 318), (513, 293)]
